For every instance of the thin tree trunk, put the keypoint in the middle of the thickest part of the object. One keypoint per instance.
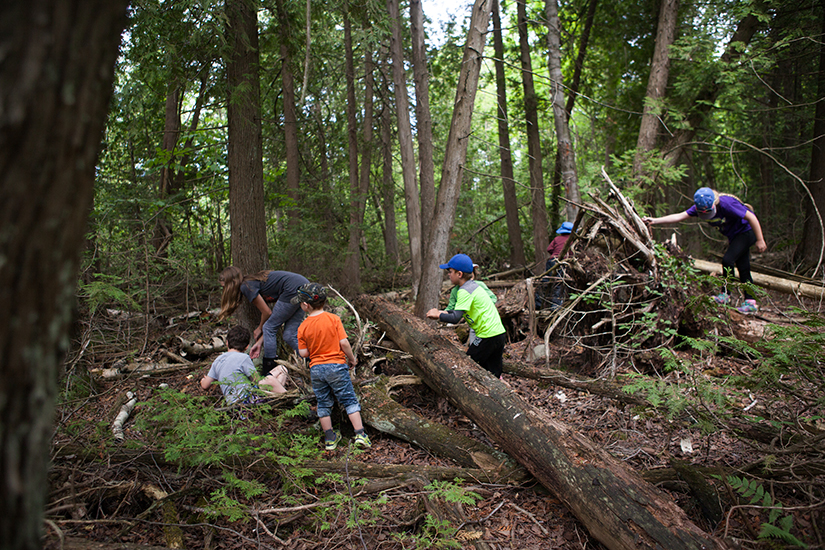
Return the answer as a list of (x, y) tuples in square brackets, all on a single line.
[(508, 183), (162, 232), (55, 85), (707, 95), (424, 123), (567, 156), (244, 150), (352, 272), (813, 235), (387, 184), (568, 108), (402, 107), (293, 158), (656, 87), (538, 208), (614, 503), (448, 191)]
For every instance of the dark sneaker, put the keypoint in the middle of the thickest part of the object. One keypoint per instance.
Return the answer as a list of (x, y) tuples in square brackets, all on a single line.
[(332, 444)]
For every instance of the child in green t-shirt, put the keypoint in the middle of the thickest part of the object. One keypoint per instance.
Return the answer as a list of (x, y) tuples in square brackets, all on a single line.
[(474, 304)]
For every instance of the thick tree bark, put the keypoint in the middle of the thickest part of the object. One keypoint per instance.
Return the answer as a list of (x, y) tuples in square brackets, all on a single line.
[(438, 238), (55, 85), (508, 183), (656, 85), (402, 109), (244, 149), (538, 209), (616, 505), (381, 412), (566, 156)]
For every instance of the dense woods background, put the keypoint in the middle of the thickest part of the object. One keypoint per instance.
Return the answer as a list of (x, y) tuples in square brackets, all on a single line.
[(348, 168), (360, 146)]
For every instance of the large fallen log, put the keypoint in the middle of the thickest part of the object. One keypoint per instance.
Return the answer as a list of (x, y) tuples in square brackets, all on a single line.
[(614, 503), (383, 413)]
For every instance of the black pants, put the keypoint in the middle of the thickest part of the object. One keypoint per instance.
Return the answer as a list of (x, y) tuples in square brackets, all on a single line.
[(739, 255), (488, 353)]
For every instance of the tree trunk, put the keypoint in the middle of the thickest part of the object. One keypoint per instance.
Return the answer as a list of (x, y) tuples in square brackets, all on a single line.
[(387, 201), (508, 183), (438, 238), (293, 157), (568, 108), (656, 87), (616, 505), (813, 234), (707, 95), (244, 149), (402, 108), (381, 412), (567, 156), (162, 232), (423, 120), (244, 155), (55, 85), (538, 208), (352, 271)]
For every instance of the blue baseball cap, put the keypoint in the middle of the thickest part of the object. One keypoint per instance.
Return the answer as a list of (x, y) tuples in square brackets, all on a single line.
[(704, 198), (565, 229), (459, 262)]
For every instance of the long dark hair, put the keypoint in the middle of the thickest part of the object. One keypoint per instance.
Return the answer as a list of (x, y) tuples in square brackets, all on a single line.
[(232, 278)]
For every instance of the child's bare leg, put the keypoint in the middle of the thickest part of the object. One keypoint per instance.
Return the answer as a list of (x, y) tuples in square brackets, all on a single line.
[(272, 381), (326, 423), (355, 418)]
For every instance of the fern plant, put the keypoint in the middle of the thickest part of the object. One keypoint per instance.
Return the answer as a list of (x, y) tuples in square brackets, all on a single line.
[(778, 525)]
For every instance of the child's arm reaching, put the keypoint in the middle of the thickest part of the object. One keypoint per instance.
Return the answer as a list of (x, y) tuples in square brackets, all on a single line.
[(207, 381), (347, 349)]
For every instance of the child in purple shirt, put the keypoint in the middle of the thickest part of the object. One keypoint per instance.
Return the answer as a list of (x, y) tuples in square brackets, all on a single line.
[(734, 220)]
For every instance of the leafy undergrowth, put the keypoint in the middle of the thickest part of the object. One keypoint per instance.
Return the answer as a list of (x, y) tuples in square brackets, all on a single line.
[(188, 470)]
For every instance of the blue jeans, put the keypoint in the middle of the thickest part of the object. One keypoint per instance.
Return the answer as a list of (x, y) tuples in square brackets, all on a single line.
[(329, 382), (288, 315)]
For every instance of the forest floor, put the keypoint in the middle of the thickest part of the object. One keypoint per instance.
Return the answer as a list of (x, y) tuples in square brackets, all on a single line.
[(100, 495)]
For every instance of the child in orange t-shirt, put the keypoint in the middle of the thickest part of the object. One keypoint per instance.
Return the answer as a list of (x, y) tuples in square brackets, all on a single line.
[(322, 338)]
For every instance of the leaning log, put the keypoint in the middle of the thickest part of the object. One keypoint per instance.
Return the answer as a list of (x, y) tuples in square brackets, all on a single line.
[(614, 503), (767, 281), (383, 413)]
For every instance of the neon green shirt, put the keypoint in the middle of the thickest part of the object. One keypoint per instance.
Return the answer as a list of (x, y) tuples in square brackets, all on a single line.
[(479, 310)]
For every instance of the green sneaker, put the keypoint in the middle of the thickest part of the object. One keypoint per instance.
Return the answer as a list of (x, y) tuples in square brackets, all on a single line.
[(332, 444), (363, 440), (748, 306)]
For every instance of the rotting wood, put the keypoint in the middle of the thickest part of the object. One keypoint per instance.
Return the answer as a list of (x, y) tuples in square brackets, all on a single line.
[(384, 414), (364, 470), (123, 416), (614, 503)]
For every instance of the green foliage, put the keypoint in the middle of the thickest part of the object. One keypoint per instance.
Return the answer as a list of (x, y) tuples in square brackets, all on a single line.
[(777, 525), (434, 534), (452, 491), (192, 431), (105, 290)]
